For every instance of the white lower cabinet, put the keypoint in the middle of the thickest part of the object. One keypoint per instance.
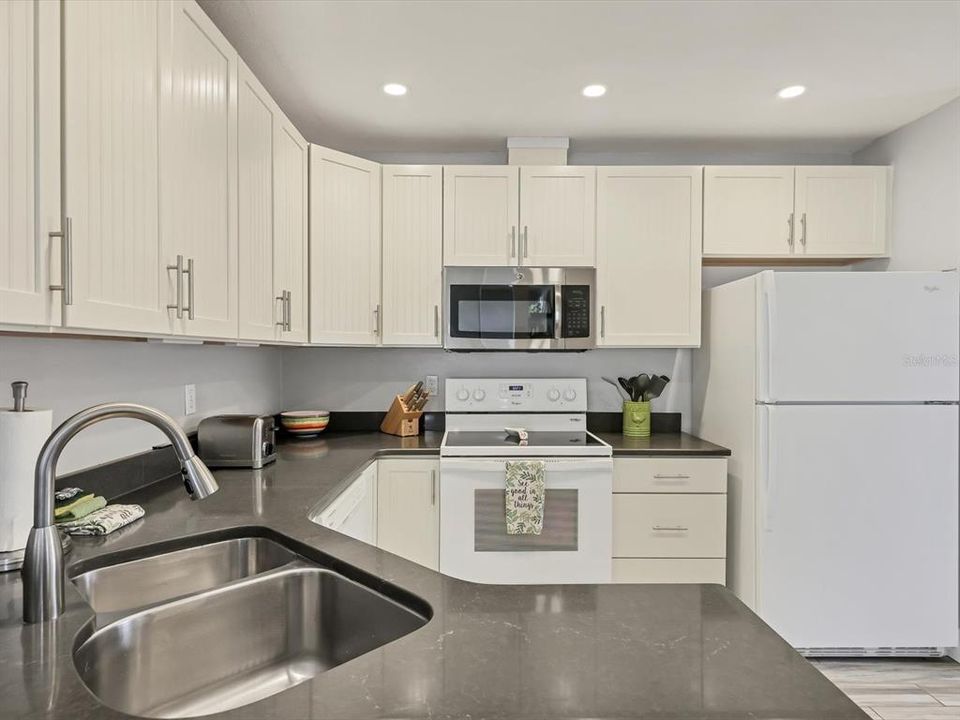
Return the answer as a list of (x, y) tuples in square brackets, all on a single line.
[(669, 520), (408, 509)]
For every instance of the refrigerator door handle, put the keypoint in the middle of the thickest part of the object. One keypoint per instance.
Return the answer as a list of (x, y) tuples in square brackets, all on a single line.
[(765, 348)]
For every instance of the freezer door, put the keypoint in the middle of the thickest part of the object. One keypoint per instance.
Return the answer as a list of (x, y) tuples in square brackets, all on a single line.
[(858, 525), (858, 336)]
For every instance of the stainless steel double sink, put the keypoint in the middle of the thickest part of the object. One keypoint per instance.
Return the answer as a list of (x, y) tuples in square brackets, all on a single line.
[(223, 624)]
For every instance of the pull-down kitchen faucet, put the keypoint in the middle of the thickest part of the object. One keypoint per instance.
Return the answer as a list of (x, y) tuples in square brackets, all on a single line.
[(43, 558)]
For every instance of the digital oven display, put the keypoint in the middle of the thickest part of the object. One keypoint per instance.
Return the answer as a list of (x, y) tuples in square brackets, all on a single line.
[(515, 388)]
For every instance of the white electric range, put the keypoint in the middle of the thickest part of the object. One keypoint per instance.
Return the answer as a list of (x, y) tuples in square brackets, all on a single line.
[(575, 545)]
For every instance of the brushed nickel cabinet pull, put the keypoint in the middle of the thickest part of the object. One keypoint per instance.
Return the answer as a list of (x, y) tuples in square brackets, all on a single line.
[(790, 230), (178, 306), (670, 528), (436, 321), (433, 487), (678, 476), (66, 261), (803, 229), (376, 320), (603, 321), (282, 322), (289, 308)]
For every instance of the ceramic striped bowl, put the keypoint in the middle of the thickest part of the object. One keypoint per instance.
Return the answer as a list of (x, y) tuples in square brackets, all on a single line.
[(304, 423)]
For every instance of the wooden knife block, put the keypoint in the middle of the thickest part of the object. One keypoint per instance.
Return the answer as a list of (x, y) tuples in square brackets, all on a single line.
[(401, 421)]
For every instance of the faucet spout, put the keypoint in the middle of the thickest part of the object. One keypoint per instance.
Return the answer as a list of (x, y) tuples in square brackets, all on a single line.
[(43, 557)]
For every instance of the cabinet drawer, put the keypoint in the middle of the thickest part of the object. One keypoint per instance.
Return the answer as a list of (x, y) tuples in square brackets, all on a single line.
[(669, 526), (669, 570), (670, 475)]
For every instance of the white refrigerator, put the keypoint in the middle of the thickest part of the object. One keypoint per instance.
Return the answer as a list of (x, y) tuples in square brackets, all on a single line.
[(837, 394)]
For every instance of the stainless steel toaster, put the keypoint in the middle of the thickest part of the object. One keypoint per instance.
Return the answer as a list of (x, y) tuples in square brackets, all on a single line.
[(237, 440)]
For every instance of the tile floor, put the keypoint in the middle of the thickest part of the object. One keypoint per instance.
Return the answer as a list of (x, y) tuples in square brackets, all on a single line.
[(897, 689)]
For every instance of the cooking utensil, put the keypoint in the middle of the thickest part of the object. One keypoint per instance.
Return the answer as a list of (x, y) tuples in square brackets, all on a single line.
[(620, 390), (625, 384), (639, 383), (656, 386)]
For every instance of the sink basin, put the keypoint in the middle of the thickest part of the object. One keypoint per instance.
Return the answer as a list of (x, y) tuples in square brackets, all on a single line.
[(150, 580), (234, 645)]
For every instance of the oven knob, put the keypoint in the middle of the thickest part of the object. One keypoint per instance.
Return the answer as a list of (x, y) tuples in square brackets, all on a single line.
[(463, 394), (569, 394), (553, 394), (479, 395)]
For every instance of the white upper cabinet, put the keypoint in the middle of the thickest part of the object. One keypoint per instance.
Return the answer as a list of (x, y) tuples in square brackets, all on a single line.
[(257, 116), (198, 145), (111, 105), (558, 216), (648, 256), (748, 211), (798, 212), (290, 264), (344, 248), (481, 209), (842, 210), (412, 254), (29, 129)]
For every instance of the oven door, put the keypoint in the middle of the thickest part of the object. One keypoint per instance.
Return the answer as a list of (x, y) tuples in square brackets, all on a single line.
[(575, 545)]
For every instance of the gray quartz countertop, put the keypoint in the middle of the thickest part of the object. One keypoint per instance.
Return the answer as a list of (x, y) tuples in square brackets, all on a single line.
[(670, 652)]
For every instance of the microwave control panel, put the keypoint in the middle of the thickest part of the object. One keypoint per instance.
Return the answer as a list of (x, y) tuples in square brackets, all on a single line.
[(575, 316)]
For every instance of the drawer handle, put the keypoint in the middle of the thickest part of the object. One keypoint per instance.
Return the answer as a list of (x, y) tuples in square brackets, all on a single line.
[(671, 477), (670, 528)]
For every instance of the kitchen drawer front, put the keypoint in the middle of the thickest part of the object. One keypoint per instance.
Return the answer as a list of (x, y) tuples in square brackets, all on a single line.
[(669, 526), (670, 475), (669, 570)]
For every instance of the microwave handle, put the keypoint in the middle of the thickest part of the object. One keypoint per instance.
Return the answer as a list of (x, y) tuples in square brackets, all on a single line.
[(558, 312)]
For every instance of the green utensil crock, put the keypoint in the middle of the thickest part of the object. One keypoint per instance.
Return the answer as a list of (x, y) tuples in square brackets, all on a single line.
[(636, 419)]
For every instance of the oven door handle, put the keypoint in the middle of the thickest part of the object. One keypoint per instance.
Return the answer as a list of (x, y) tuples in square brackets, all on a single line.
[(489, 464)]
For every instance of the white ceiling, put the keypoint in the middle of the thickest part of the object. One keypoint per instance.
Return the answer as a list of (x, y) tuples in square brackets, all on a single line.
[(677, 72)]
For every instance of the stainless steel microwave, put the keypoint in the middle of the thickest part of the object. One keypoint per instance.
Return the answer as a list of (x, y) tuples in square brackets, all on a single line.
[(525, 308)]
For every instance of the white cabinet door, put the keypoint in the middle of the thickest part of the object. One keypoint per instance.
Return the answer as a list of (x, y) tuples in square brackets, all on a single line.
[(344, 248), (558, 216), (408, 516), (748, 211), (412, 254), (257, 116), (290, 159), (198, 146), (481, 209), (648, 256), (111, 104), (842, 210)]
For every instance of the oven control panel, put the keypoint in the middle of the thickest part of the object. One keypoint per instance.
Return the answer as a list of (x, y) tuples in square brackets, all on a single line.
[(528, 395)]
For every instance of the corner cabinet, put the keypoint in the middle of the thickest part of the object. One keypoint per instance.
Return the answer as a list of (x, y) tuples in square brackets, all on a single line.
[(408, 509), (345, 306), (519, 215), (412, 255), (804, 212), (648, 256)]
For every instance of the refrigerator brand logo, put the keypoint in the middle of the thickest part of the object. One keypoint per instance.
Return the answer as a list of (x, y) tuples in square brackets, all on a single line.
[(924, 360), (931, 288)]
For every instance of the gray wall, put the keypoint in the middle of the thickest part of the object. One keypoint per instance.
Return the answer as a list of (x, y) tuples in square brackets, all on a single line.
[(67, 375), (926, 189), (368, 378)]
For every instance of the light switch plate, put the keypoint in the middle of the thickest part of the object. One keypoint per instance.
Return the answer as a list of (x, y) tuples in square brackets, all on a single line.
[(189, 399), (431, 384)]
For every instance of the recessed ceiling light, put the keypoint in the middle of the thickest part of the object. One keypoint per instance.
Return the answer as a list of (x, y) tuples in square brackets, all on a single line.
[(395, 89), (594, 91), (791, 92)]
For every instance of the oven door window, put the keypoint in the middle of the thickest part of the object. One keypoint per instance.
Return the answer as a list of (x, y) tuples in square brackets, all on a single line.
[(560, 523), (502, 311)]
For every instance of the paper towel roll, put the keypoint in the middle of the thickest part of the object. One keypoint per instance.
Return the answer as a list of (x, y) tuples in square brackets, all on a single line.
[(22, 434)]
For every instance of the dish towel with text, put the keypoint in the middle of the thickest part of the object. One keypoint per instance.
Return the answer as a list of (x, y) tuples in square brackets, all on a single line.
[(524, 496)]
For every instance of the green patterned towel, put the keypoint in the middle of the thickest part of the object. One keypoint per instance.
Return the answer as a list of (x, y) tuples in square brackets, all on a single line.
[(104, 521), (82, 508), (524, 496)]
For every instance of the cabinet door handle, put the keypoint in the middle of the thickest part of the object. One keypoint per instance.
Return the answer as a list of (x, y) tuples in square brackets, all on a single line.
[(289, 310), (376, 320), (603, 321), (66, 261), (670, 528), (282, 322), (190, 294), (436, 321), (433, 487), (178, 306), (679, 476), (525, 248), (513, 241), (790, 230), (803, 229)]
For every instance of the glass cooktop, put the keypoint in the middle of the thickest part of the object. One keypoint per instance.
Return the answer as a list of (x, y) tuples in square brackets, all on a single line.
[(546, 443)]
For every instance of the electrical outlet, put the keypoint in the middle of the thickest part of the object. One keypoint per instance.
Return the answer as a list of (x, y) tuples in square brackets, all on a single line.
[(432, 384), (189, 399)]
